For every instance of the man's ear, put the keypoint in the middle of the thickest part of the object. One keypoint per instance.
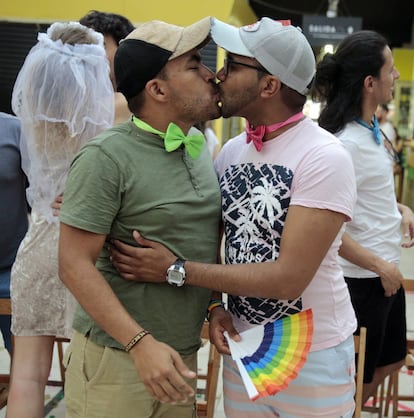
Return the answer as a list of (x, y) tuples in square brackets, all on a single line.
[(156, 88), (369, 82), (270, 85)]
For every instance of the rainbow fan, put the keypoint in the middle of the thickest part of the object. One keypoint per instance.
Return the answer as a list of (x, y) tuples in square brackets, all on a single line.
[(270, 356)]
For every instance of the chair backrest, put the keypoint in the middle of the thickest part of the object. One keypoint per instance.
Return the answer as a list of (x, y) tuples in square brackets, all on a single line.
[(393, 396), (408, 285), (59, 342), (360, 343), (5, 306), (5, 309), (207, 381)]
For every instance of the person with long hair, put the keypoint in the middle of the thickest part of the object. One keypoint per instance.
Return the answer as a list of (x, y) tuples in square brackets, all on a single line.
[(63, 97), (13, 218), (351, 83)]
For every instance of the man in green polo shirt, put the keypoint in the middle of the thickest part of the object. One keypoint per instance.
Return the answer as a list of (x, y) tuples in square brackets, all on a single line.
[(133, 353)]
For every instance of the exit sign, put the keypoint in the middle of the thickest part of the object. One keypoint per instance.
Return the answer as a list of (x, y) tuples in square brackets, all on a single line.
[(322, 30)]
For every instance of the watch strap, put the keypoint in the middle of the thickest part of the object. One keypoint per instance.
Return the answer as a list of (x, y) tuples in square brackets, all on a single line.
[(178, 268), (179, 262)]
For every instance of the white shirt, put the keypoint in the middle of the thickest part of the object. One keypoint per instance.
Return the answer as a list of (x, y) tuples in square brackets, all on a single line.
[(376, 221)]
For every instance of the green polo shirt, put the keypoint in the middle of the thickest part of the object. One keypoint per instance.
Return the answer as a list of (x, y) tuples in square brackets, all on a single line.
[(124, 180)]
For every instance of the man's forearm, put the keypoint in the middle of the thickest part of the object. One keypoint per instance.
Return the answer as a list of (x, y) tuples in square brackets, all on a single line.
[(255, 279), (356, 254), (98, 299), (89, 286)]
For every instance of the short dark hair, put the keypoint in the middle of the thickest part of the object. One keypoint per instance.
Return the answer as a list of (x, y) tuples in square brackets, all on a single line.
[(292, 98), (111, 24), (136, 102)]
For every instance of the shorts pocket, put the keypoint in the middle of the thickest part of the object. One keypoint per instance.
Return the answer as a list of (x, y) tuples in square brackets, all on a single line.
[(95, 360)]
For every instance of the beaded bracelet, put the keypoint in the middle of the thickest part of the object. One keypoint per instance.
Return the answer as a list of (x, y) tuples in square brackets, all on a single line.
[(214, 303), (136, 340)]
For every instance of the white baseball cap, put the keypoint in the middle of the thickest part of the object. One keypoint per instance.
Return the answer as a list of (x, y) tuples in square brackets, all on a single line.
[(280, 48)]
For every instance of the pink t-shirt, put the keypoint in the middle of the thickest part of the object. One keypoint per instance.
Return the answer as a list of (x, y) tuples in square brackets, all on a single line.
[(304, 166)]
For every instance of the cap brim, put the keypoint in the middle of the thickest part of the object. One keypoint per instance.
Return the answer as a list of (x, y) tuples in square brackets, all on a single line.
[(193, 36), (228, 37)]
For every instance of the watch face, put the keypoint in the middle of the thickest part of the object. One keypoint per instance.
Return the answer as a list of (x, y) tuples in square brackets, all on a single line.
[(176, 273), (175, 276)]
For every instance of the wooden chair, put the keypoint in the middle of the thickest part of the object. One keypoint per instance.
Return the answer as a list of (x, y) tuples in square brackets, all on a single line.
[(5, 309), (59, 344), (5, 306), (377, 404), (360, 344), (207, 382), (393, 396), (399, 182)]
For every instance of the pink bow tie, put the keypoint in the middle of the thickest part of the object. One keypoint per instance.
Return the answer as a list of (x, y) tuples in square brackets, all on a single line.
[(257, 134)]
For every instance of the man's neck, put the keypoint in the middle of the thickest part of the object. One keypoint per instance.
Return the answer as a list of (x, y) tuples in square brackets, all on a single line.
[(162, 124), (273, 121), (369, 106), (281, 130)]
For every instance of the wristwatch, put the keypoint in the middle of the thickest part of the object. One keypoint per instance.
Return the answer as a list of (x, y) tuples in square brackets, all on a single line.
[(176, 273)]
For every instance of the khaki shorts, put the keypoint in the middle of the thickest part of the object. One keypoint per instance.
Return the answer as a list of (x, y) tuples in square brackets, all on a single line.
[(102, 382)]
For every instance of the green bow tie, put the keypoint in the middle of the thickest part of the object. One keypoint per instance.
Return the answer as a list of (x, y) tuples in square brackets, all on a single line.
[(174, 137)]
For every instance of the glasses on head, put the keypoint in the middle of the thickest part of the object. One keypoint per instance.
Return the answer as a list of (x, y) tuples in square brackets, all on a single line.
[(230, 61), (390, 148)]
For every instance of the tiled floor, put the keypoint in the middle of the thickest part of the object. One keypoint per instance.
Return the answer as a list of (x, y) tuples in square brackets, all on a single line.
[(406, 381)]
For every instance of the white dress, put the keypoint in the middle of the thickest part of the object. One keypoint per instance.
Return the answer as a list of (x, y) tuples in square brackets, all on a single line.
[(41, 304), (63, 97)]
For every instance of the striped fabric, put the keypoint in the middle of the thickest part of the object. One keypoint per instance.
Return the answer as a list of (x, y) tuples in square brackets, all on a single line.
[(324, 388)]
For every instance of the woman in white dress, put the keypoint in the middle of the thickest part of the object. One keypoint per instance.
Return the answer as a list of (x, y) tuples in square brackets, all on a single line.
[(63, 97)]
